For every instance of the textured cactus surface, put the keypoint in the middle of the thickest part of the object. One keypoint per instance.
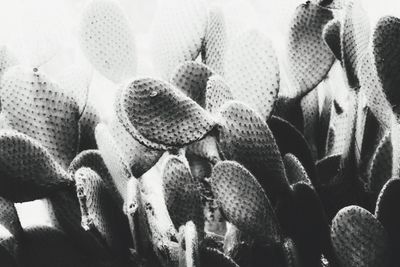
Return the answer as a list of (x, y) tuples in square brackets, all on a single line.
[(107, 40), (194, 133), (359, 238), (355, 35), (245, 203), (309, 57)]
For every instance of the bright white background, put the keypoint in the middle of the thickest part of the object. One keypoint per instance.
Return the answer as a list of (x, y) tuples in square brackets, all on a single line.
[(31, 26)]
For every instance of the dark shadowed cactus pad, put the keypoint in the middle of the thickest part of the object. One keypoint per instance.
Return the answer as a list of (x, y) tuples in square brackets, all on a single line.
[(99, 211), (331, 35), (290, 140), (387, 212), (386, 49), (27, 170)]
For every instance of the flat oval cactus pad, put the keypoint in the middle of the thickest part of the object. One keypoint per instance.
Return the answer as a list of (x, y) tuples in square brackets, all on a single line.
[(27, 170), (182, 193), (106, 38), (38, 107), (386, 50), (245, 137), (178, 33), (387, 212), (359, 239), (244, 202), (161, 116), (309, 58), (252, 71), (100, 212)]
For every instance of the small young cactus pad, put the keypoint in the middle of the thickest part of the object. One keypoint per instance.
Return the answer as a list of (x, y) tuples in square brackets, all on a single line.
[(182, 193)]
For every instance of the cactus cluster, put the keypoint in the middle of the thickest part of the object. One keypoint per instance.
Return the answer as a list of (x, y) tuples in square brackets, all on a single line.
[(219, 159)]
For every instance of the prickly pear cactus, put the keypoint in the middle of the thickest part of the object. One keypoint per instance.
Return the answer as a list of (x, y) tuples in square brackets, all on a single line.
[(354, 228), (207, 139)]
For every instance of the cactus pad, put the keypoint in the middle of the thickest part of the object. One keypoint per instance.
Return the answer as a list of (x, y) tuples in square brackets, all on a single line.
[(246, 138), (39, 108), (244, 202), (331, 35), (27, 170), (162, 116), (386, 50), (309, 58), (355, 34), (252, 72), (178, 33), (107, 40), (182, 193), (359, 238), (191, 78)]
